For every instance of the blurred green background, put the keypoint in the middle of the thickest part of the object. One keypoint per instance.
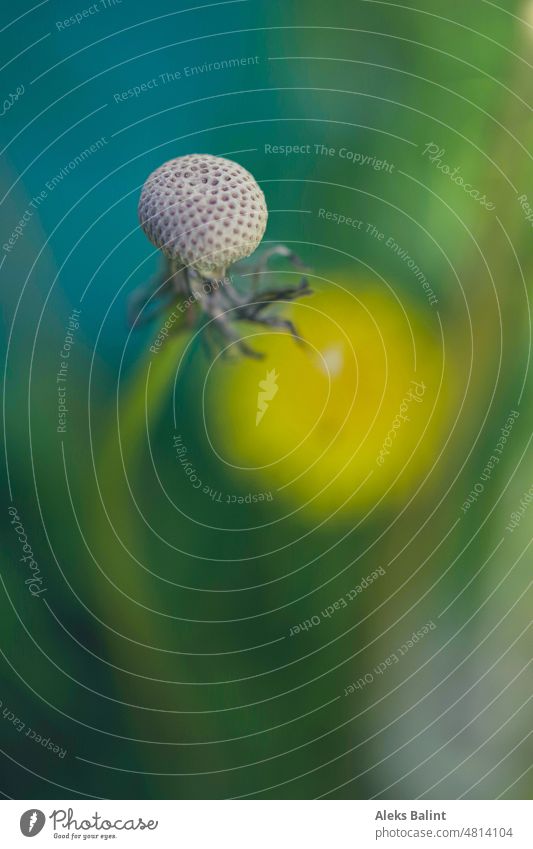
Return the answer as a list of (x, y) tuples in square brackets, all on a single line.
[(159, 656)]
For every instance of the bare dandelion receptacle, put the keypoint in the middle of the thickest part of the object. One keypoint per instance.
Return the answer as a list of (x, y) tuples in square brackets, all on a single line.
[(206, 214)]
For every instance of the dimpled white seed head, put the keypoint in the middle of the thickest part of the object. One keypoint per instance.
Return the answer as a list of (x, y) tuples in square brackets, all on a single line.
[(203, 211)]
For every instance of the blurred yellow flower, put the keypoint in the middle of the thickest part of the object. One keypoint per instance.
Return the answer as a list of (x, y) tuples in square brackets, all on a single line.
[(354, 415)]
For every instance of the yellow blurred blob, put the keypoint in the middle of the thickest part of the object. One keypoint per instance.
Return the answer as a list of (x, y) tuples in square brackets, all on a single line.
[(354, 415)]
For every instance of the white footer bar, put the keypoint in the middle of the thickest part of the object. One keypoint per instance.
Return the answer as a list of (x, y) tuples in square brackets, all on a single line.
[(268, 824)]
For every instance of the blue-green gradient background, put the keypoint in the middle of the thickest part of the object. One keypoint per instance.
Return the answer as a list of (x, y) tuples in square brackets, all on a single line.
[(166, 670)]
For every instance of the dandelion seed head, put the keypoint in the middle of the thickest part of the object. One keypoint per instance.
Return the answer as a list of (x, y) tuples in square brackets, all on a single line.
[(205, 211)]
